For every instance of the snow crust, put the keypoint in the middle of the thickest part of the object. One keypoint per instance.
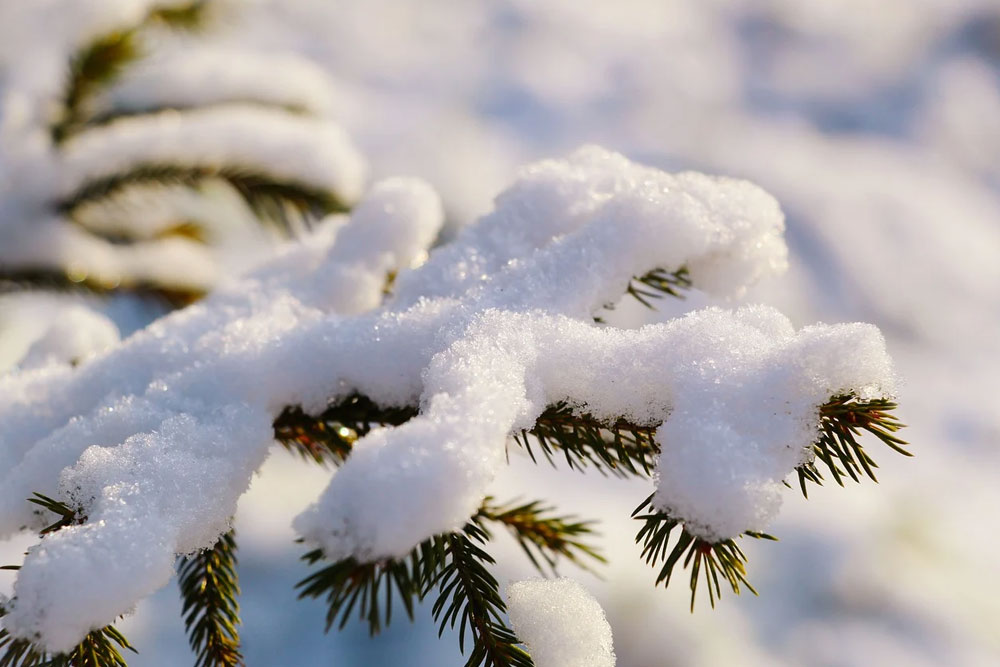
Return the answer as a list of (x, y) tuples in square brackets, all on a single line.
[(157, 439), (560, 622)]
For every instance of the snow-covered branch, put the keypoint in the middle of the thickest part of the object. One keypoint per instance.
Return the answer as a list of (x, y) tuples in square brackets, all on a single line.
[(156, 440)]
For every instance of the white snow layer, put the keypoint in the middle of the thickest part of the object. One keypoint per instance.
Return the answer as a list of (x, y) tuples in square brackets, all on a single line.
[(157, 439), (560, 622), (305, 150), (247, 127), (189, 74)]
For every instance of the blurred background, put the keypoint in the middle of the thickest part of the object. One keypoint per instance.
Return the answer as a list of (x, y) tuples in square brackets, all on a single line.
[(876, 124)]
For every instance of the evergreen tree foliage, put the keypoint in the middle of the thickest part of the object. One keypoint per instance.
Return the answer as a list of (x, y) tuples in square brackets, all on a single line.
[(455, 572), (283, 206)]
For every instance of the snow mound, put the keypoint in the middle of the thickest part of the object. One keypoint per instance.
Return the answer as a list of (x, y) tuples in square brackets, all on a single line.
[(561, 623)]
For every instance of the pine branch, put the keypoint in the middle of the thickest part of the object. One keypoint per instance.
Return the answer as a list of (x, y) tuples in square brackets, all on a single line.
[(468, 591), (371, 587), (656, 284), (101, 62), (621, 448), (190, 16), (92, 68), (57, 280), (210, 587), (842, 419), (455, 563), (659, 283), (100, 648), (329, 436), (67, 515), (111, 115), (274, 200), (544, 538), (712, 558)]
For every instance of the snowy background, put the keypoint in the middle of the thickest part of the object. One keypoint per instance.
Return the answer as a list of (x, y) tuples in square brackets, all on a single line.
[(876, 124)]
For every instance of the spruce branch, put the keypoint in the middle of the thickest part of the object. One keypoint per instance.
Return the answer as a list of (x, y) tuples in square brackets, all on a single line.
[(542, 536), (329, 436), (101, 62), (100, 648), (67, 515), (842, 419), (659, 283), (209, 588), (93, 67), (109, 116), (655, 284), (274, 200), (189, 16), (371, 587), (61, 280), (711, 558), (455, 564), (469, 595), (620, 448)]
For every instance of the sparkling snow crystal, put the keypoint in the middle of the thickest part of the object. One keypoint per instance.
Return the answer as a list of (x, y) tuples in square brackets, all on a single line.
[(561, 623), (157, 439)]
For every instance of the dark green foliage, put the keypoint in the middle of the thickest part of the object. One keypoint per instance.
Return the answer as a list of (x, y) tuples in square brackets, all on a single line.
[(67, 515), (99, 63), (542, 536), (100, 648), (842, 420), (659, 283), (469, 596), (621, 448), (714, 558), (94, 67), (328, 437), (371, 587), (275, 201), (55, 280), (457, 565), (190, 16), (656, 284), (210, 588), (288, 207), (112, 115)]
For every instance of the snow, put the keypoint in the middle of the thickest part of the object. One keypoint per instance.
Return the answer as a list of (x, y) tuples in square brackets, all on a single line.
[(271, 118), (853, 116), (71, 336), (560, 622), (310, 151), (187, 73), (157, 439)]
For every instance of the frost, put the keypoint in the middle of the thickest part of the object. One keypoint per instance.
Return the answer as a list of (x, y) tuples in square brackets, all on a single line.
[(561, 623), (157, 439)]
